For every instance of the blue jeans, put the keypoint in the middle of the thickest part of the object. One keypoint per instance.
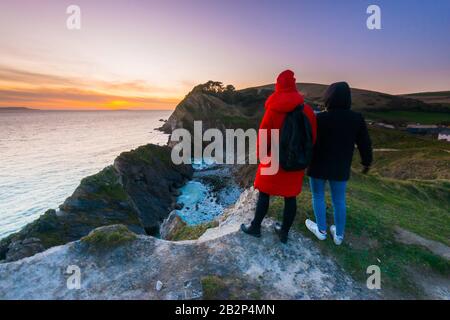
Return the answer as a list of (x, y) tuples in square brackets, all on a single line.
[(338, 199)]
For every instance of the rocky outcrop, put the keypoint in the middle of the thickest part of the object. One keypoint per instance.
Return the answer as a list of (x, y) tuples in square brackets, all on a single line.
[(136, 267), (138, 191), (171, 225), (244, 175), (19, 249), (150, 179), (243, 110)]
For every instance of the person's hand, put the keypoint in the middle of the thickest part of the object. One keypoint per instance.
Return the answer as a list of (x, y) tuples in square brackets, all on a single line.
[(365, 170)]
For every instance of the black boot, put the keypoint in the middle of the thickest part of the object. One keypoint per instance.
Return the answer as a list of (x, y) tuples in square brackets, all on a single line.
[(283, 235), (251, 230)]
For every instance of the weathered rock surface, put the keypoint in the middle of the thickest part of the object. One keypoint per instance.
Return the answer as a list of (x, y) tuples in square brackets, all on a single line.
[(19, 249), (149, 177), (242, 110), (171, 225), (137, 192), (132, 270)]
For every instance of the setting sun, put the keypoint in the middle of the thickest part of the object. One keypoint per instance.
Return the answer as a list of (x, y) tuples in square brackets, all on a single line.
[(117, 104)]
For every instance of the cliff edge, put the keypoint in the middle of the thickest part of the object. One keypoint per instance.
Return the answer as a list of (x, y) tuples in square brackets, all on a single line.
[(223, 263)]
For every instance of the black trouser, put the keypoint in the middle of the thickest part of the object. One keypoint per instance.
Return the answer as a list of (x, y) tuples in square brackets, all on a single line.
[(290, 209)]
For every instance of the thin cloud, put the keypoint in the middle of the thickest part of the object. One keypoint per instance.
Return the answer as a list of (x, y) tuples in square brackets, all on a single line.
[(20, 76), (70, 98), (26, 88)]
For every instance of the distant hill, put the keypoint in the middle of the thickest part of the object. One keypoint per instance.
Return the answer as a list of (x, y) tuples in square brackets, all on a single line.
[(437, 99), (9, 109), (223, 107), (363, 99)]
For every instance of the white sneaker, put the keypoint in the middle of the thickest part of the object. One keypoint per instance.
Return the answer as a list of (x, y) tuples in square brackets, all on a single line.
[(312, 226), (337, 239)]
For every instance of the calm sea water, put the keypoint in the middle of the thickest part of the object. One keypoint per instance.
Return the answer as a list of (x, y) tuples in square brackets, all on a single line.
[(44, 155)]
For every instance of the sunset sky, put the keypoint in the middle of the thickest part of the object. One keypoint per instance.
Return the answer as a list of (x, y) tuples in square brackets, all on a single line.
[(149, 54)]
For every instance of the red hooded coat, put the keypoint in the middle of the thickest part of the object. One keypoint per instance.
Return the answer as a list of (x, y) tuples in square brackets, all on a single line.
[(283, 100)]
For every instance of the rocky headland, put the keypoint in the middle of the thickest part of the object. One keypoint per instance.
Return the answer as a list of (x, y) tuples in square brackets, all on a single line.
[(138, 190), (127, 231)]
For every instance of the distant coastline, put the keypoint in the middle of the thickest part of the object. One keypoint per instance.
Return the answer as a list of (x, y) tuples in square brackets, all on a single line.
[(26, 109), (9, 109)]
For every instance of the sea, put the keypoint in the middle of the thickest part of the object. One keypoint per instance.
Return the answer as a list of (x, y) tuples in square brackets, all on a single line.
[(45, 154)]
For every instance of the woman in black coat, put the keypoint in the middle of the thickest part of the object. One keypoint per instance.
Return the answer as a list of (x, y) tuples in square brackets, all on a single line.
[(338, 130)]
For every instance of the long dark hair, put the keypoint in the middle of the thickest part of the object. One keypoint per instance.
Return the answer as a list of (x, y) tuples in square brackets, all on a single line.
[(338, 96)]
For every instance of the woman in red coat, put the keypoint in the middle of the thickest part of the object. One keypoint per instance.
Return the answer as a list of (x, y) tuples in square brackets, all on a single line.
[(287, 184)]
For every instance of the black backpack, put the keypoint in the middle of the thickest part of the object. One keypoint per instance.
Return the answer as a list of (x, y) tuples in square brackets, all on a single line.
[(296, 141)]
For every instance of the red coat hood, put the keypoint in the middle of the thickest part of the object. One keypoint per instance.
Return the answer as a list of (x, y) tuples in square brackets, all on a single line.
[(286, 96)]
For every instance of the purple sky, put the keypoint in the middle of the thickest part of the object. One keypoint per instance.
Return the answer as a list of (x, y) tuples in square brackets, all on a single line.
[(150, 53)]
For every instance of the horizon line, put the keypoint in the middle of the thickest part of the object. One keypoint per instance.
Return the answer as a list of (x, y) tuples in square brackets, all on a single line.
[(173, 107), (36, 109)]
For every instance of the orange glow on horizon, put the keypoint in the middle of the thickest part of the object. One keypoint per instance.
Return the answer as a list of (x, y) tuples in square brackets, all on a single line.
[(118, 104), (38, 90), (22, 88)]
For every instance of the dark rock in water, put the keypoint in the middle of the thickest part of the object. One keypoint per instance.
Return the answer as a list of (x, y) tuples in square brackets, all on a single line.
[(134, 192), (179, 206), (45, 229)]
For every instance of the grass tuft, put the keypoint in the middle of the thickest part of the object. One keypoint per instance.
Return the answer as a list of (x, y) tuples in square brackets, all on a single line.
[(105, 185), (192, 232), (229, 288), (109, 237)]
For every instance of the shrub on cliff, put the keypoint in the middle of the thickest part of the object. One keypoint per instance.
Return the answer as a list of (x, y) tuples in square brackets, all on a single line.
[(109, 237), (216, 88)]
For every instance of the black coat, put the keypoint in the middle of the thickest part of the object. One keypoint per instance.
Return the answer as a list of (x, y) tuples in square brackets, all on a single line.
[(338, 130)]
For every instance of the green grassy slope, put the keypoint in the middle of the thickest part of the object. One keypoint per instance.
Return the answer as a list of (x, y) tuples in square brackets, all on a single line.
[(410, 117), (440, 99), (408, 156), (419, 202), (375, 206), (364, 100)]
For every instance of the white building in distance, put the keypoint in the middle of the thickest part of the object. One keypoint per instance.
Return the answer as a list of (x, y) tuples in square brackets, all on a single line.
[(444, 135)]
